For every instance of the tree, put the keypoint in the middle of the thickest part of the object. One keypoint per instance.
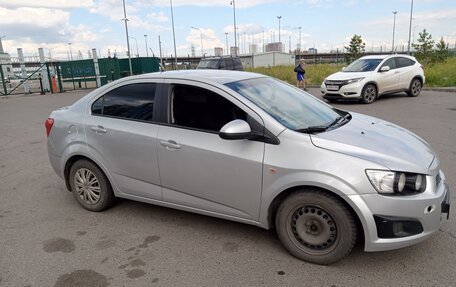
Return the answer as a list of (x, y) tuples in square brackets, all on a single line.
[(355, 48), (441, 51), (423, 50)]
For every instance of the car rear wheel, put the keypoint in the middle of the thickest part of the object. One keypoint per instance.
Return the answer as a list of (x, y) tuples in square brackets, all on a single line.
[(415, 88), (90, 186), (369, 94), (316, 227)]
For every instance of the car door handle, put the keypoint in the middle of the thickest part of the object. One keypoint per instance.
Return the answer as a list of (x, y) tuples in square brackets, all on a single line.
[(397, 72), (99, 129), (170, 145)]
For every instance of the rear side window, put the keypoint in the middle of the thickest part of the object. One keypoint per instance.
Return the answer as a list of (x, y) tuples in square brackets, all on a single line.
[(134, 101), (229, 64), (404, 62), (237, 64)]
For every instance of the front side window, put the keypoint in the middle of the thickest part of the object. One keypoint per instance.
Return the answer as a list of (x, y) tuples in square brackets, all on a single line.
[(202, 109), (363, 65), (390, 63), (288, 105), (134, 101)]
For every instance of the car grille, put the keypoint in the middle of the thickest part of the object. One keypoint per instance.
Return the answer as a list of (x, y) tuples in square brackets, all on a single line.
[(336, 83)]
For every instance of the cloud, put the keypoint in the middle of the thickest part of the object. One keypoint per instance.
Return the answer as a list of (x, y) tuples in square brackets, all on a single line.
[(67, 4), (210, 41), (158, 17), (113, 9), (203, 3)]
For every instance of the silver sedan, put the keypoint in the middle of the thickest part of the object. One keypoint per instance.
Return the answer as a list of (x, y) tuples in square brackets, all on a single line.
[(252, 149)]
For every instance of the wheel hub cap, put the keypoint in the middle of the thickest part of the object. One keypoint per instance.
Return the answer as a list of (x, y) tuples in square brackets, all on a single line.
[(313, 227), (87, 186)]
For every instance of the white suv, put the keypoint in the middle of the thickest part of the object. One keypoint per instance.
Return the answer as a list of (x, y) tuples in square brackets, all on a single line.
[(372, 76)]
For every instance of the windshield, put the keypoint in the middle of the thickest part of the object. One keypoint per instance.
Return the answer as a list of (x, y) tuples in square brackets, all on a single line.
[(363, 65), (291, 107), (208, 64)]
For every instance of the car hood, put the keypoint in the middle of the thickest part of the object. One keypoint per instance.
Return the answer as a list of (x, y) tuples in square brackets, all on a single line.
[(379, 141), (341, 76)]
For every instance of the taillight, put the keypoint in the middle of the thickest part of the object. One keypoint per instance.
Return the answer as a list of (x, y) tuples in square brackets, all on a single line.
[(422, 67), (48, 124)]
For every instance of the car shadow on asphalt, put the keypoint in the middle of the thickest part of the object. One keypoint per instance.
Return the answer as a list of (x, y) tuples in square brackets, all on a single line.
[(253, 236)]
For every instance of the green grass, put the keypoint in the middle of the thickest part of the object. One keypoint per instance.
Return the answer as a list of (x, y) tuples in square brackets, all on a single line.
[(442, 74), (438, 75)]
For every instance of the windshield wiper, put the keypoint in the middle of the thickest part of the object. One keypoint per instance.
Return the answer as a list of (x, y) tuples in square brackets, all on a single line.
[(319, 129), (314, 129), (339, 120)]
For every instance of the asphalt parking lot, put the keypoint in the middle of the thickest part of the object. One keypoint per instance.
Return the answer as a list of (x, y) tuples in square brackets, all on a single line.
[(47, 239)]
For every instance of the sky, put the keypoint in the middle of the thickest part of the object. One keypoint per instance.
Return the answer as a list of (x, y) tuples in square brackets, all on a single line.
[(325, 25)]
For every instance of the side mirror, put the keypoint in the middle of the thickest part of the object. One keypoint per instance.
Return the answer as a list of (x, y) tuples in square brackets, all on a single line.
[(236, 130), (384, 69), (343, 68)]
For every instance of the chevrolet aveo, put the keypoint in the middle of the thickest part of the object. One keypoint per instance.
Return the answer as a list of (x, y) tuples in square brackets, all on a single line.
[(250, 148)]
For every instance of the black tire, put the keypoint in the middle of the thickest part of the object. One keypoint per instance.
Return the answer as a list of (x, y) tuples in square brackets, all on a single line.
[(90, 186), (369, 94), (315, 226), (415, 88)]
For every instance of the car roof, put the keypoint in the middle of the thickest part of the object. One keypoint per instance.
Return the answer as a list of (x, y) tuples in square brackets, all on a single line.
[(386, 56), (216, 76)]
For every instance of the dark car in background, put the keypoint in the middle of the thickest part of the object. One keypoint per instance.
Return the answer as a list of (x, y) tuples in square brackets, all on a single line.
[(221, 63)]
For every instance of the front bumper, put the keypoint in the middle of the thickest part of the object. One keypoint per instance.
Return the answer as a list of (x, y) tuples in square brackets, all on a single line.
[(345, 92), (424, 211)]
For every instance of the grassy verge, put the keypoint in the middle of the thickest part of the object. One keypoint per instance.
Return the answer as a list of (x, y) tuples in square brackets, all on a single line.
[(441, 75), (438, 75)]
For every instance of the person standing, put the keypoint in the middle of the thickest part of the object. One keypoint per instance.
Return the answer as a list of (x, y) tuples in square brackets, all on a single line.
[(301, 74)]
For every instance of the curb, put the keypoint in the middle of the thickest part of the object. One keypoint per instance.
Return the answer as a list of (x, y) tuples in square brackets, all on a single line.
[(444, 89)]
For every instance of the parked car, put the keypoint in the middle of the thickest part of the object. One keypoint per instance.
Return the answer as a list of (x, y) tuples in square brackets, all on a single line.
[(372, 76), (221, 63), (250, 148)]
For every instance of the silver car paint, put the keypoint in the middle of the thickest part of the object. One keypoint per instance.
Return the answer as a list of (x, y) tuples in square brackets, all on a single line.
[(366, 137), (296, 161)]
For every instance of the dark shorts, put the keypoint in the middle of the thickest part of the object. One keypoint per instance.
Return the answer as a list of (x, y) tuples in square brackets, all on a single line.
[(300, 76)]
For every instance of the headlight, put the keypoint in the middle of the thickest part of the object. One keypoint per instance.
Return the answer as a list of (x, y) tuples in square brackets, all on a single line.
[(390, 182), (351, 81)]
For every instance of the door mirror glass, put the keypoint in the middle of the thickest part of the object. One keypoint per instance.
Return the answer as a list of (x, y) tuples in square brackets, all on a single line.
[(236, 130), (343, 68), (384, 69)]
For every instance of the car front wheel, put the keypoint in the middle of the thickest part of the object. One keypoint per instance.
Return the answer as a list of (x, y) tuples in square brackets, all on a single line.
[(90, 186), (415, 88), (316, 227), (369, 94)]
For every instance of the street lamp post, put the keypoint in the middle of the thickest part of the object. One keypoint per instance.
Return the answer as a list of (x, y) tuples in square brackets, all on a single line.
[(394, 30), (201, 35), (71, 52), (279, 17), (147, 50), (234, 28), (128, 40), (227, 48), (299, 45), (136, 41), (174, 34), (410, 27)]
